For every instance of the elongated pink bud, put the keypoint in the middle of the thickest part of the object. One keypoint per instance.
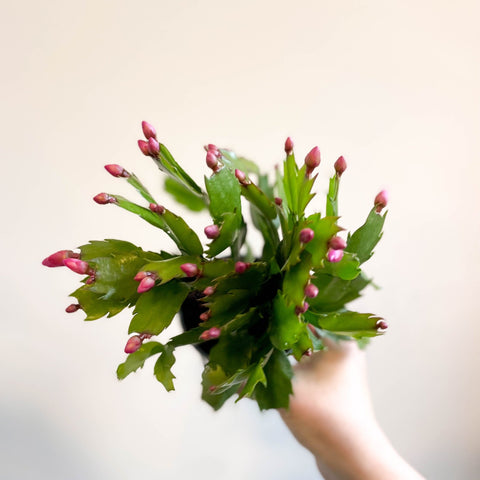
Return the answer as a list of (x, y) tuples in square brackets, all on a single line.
[(160, 209), (288, 146), (73, 308), (306, 235), (116, 170), (212, 231), (133, 344), (146, 284), (334, 256), (143, 146), (104, 198), (241, 267), (241, 177), (278, 201), (205, 315), (212, 161), (312, 160), (77, 266), (382, 325), (210, 334), (211, 147), (311, 290), (337, 243), (340, 165), (153, 147), (381, 201), (190, 269), (148, 130), (56, 259), (140, 276), (209, 291)]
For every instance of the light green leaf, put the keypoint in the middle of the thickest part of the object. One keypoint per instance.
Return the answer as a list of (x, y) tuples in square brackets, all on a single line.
[(286, 327), (184, 195), (137, 359), (162, 369)]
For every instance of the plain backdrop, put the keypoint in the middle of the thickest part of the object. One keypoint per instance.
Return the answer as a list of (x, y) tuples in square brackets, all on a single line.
[(392, 86)]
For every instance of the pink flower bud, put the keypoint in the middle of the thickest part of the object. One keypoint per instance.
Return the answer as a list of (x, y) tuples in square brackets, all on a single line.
[(334, 256), (340, 165), (306, 235), (278, 201), (56, 259), (212, 231), (133, 344), (210, 334), (116, 170), (153, 147), (140, 276), (337, 243), (312, 159), (73, 308), (288, 146), (77, 266), (382, 325), (307, 353), (143, 146), (157, 208), (209, 291), (90, 279), (205, 315), (146, 284), (241, 177), (190, 269), (301, 309), (104, 198), (212, 161), (381, 201), (149, 130), (241, 267), (311, 290)]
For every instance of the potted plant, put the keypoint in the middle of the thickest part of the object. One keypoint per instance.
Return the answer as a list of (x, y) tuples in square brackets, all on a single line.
[(247, 312)]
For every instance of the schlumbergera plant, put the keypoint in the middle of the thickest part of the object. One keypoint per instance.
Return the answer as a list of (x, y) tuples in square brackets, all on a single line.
[(248, 313)]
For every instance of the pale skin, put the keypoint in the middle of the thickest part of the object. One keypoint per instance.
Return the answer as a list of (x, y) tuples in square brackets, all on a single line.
[(332, 416)]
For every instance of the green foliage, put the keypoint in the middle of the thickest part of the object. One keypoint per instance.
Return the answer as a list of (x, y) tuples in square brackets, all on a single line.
[(250, 319)]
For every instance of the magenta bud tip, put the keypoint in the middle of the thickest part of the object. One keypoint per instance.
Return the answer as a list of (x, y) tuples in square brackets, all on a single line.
[(278, 201), (311, 290), (301, 308), (56, 259), (149, 130), (104, 198), (146, 284), (337, 243), (334, 256), (288, 146), (143, 146), (382, 325), (190, 269), (209, 291), (340, 165), (212, 231), (116, 170), (306, 235), (211, 160), (157, 208), (312, 159), (210, 334), (241, 177), (133, 344), (381, 201), (73, 308), (241, 267), (140, 276), (153, 147), (205, 315), (76, 265)]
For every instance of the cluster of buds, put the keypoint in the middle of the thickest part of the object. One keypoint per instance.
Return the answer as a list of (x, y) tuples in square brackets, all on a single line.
[(213, 154), (160, 209), (56, 259), (147, 281), (150, 147), (336, 246)]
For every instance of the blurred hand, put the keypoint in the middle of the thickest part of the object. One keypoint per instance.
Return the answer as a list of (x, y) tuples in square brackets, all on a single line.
[(331, 415)]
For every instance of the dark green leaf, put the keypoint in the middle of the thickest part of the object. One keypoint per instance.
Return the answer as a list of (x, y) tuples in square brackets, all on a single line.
[(296, 279), (232, 352), (186, 239), (162, 369), (256, 197), (285, 327), (224, 192), (137, 359), (170, 268), (212, 377), (332, 196), (256, 375), (324, 228), (228, 232), (290, 186), (347, 268), (95, 306), (156, 308), (184, 195)]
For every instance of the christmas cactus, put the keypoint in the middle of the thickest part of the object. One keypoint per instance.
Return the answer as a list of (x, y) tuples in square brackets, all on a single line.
[(248, 312)]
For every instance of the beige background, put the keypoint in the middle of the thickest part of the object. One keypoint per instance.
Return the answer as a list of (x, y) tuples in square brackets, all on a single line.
[(393, 86)]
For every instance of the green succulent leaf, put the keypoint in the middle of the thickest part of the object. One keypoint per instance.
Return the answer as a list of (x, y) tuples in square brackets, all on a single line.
[(233, 352), (169, 269), (156, 308), (212, 378), (184, 195), (257, 198), (162, 369), (233, 161), (278, 373), (332, 196), (286, 327), (347, 268), (364, 240), (324, 228), (224, 192), (137, 359), (256, 375), (296, 279), (229, 229), (95, 306), (141, 189), (290, 183)]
